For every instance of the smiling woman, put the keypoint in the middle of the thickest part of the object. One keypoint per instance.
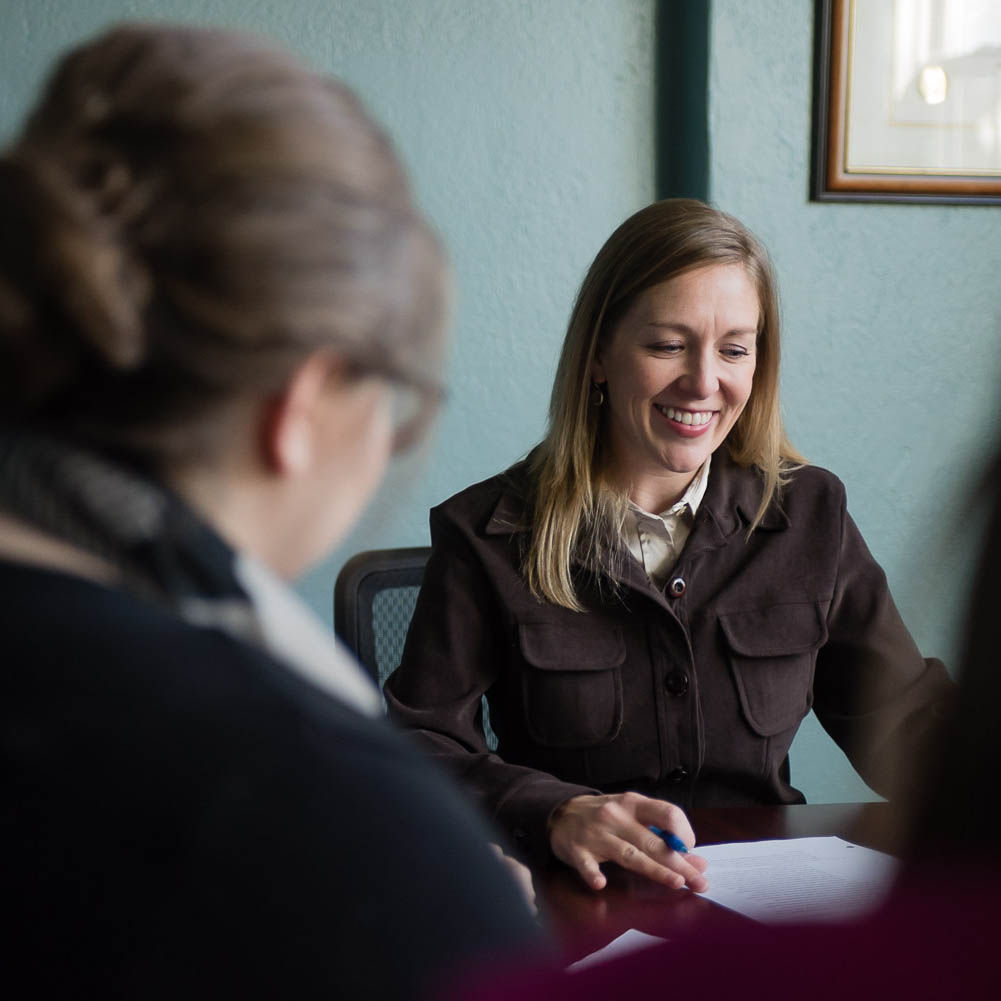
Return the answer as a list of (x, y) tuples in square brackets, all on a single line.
[(677, 371), (654, 599)]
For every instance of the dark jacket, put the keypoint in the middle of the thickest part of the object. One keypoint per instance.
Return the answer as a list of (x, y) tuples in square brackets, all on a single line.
[(693, 693), (183, 816)]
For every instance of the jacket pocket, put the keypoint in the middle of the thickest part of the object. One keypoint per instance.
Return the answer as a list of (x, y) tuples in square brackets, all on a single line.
[(571, 683), (772, 655)]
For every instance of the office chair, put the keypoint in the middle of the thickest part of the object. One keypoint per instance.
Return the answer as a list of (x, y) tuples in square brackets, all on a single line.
[(374, 598)]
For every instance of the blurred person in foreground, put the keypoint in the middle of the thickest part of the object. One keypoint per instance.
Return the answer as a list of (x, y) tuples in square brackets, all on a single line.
[(220, 315)]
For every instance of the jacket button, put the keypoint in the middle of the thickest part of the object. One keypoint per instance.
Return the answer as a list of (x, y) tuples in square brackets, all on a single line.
[(676, 683), (678, 775), (677, 587)]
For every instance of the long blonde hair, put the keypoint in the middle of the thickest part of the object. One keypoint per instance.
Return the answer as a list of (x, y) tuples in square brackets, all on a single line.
[(576, 513)]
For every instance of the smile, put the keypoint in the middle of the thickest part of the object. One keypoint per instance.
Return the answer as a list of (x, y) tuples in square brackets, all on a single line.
[(693, 417)]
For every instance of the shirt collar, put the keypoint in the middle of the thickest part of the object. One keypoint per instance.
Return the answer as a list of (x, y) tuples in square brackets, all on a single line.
[(689, 500), (730, 498)]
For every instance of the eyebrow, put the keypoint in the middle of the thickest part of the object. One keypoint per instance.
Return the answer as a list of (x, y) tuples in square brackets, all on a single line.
[(683, 328)]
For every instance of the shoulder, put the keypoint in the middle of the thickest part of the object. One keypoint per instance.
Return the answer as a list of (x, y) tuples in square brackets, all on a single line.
[(501, 499), (140, 722), (811, 489), (808, 494), (144, 671), (814, 481), (50, 615), (805, 479), (147, 674)]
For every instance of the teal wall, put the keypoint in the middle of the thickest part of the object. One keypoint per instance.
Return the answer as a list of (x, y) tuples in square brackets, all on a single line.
[(892, 333), (528, 129)]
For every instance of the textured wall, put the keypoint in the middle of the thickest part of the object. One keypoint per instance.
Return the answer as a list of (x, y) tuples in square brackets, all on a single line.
[(528, 128), (892, 327), (527, 125)]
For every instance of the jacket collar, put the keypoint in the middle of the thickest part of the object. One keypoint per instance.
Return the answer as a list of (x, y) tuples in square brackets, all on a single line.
[(510, 514), (729, 505)]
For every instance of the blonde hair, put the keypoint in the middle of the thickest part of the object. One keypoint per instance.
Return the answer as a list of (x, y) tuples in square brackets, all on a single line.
[(576, 514), (188, 214)]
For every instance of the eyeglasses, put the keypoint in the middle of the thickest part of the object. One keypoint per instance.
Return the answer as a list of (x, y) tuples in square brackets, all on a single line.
[(416, 400)]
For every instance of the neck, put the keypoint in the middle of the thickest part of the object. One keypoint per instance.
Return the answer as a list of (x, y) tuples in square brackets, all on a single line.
[(656, 497), (654, 491), (241, 507)]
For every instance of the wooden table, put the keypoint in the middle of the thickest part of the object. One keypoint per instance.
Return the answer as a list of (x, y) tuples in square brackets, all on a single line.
[(584, 919)]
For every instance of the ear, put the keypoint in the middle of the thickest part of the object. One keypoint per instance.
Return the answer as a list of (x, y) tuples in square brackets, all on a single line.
[(290, 422), (598, 371)]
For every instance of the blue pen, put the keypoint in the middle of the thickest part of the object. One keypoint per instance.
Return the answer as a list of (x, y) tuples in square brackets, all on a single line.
[(671, 840)]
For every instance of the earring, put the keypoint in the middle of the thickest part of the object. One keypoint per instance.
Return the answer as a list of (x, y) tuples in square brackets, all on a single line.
[(597, 394)]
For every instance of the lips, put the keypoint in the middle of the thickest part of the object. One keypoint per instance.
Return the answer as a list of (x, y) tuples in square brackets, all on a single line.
[(694, 418)]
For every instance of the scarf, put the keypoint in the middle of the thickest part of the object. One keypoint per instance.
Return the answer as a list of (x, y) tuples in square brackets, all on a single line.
[(165, 553)]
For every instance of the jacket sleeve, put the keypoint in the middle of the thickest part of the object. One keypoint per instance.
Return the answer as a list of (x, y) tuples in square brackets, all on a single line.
[(455, 651), (879, 699)]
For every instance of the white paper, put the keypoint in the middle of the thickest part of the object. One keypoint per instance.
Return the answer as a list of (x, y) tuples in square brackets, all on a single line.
[(797, 880), (629, 941)]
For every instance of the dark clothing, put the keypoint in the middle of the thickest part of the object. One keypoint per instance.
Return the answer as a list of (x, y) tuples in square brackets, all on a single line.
[(182, 816), (935, 939), (692, 694)]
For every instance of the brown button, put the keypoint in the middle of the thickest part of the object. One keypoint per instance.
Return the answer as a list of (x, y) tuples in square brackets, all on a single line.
[(676, 683), (678, 775), (677, 587)]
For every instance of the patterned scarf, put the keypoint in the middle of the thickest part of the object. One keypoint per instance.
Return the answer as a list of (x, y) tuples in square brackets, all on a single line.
[(165, 553)]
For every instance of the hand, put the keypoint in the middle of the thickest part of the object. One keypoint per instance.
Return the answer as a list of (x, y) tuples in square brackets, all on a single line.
[(522, 876), (588, 830)]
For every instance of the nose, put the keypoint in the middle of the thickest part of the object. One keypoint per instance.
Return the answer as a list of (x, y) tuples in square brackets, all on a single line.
[(701, 377)]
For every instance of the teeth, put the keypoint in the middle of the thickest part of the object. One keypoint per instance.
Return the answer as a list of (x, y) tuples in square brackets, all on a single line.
[(686, 416)]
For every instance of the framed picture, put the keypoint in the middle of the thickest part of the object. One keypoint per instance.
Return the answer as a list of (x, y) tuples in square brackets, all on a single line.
[(907, 101)]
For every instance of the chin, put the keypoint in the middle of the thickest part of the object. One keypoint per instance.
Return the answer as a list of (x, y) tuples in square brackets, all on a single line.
[(686, 463)]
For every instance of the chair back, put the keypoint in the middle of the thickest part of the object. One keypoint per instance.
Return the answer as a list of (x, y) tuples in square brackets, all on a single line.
[(374, 598)]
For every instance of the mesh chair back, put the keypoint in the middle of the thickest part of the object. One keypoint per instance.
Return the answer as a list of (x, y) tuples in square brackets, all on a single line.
[(374, 598)]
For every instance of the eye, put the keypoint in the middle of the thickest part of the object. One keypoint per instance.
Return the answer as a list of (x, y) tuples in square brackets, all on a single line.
[(735, 351), (666, 347)]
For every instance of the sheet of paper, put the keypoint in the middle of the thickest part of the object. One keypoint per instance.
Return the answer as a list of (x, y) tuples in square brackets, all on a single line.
[(797, 880), (628, 941)]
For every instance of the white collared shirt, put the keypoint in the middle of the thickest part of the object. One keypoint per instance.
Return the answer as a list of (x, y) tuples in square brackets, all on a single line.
[(656, 540), (292, 633)]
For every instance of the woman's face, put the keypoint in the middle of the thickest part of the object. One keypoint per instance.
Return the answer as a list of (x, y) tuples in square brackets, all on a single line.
[(677, 373)]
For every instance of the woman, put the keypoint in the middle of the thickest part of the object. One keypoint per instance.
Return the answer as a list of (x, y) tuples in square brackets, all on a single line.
[(216, 300), (949, 880), (654, 599)]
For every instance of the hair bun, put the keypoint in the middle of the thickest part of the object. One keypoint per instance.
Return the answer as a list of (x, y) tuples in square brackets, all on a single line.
[(70, 294)]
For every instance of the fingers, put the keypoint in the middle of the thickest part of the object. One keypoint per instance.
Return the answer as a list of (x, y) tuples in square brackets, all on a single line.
[(664, 815), (587, 867), (610, 848), (697, 862), (644, 860), (646, 853), (672, 818), (588, 830)]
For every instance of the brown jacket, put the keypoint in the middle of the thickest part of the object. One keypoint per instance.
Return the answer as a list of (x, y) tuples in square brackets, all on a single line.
[(693, 693)]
